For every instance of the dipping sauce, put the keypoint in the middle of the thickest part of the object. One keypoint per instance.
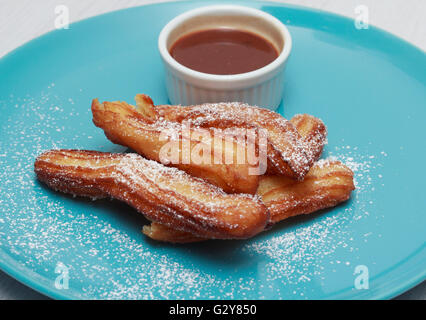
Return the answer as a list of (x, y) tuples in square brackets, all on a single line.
[(223, 51)]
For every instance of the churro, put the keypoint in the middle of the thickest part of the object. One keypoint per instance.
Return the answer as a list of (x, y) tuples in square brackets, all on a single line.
[(165, 195)]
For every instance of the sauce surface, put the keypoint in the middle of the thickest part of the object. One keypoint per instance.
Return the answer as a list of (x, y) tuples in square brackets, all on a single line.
[(223, 51)]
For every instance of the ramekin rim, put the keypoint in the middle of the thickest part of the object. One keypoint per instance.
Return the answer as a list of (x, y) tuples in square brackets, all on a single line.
[(258, 73)]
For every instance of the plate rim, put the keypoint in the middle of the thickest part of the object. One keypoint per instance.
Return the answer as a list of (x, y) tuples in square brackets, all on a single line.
[(16, 270)]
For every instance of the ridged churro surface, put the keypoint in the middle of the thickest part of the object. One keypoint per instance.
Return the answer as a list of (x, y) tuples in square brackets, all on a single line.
[(327, 184), (173, 143), (164, 195), (212, 200), (285, 149), (314, 134)]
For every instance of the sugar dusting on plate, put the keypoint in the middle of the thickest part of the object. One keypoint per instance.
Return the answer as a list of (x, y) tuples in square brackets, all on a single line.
[(109, 258)]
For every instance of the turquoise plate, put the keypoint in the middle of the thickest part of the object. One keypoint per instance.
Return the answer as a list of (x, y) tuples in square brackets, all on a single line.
[(368, 86)]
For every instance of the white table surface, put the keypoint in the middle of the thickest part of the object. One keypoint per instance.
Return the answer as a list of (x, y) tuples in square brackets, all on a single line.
[(23, 20)]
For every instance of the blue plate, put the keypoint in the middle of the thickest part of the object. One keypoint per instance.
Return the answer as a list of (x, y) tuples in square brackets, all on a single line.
[(367, 85)]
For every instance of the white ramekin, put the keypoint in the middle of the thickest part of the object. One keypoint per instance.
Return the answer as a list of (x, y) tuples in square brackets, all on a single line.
[(262, 87)]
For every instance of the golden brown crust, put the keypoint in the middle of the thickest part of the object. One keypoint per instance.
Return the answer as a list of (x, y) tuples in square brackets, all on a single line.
[(141, 130), (164, 195), (159, 232), (186, 209), (327, 184), (314, 134), (323, 186), (286, 152)]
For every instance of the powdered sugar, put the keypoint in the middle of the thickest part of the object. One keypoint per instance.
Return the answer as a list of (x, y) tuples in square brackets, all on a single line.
[(282, 135), (108, 257)]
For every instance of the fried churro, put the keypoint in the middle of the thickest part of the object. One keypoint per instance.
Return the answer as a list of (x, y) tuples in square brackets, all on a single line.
[(159, 232), (165, 195), (286, 151), (314, 134), (175, 144), (207, 200), (327, 184)]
